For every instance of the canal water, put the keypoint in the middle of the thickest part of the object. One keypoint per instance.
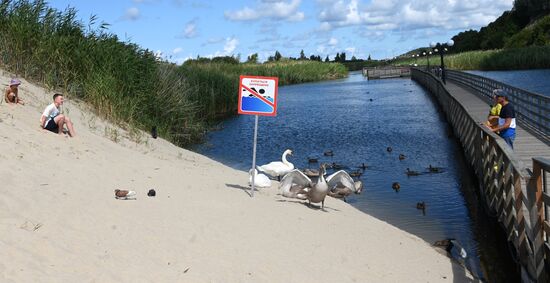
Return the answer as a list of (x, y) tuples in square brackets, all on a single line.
[(537, 81), (358, 120)]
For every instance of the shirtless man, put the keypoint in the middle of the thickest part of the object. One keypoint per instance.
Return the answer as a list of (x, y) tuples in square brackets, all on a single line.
[(52, 120), (11, 93)]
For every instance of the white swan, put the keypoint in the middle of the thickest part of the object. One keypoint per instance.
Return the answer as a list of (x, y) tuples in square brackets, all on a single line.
[(297, 185), (278, 168), (260, 180)]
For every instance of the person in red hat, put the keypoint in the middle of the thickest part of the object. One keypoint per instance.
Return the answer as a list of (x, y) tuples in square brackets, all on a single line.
[(11, 93)]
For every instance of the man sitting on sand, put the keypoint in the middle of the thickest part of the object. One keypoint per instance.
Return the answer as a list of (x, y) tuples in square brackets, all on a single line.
[(52, 121), (11, 93)]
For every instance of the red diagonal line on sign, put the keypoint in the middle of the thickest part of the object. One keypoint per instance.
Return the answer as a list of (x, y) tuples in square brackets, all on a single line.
[(260, 97)]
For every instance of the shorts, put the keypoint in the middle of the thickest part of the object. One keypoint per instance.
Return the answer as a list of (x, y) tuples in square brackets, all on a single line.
[(52, 126)]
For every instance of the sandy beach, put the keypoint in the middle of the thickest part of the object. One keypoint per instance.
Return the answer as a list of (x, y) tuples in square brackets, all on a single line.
[(60, 222)]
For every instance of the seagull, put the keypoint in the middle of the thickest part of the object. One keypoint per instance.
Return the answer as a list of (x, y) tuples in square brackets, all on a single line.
[(278, 168), (260, 180), (124, 194), (297, 185)]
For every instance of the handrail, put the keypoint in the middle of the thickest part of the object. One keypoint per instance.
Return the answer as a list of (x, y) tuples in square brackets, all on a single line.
[(532, 109), (503, 179)]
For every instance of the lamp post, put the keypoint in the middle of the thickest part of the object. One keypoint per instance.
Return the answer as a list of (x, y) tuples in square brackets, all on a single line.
[(441, 48)]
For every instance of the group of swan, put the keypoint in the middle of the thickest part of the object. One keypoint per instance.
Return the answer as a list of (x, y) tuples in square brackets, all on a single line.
[(295, 184), (275, 169)]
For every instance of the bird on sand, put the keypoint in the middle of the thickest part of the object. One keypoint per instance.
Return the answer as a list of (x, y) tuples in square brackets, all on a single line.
[(278, 168), (124, 194), (297, 185), (343, 186), (260, 180)]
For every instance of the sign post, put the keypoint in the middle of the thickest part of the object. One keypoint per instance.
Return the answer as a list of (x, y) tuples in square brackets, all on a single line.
[(257, 96)]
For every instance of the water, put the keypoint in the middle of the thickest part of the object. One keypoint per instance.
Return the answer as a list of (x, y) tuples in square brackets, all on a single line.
[(358, 119), (537, 81)]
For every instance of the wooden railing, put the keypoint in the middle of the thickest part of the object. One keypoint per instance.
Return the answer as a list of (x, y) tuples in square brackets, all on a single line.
[(504, 182), (540, 213), (532, 109), (386, 72)]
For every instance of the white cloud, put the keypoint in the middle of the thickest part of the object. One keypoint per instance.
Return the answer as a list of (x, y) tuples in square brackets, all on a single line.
[(177, 50), (190, 29), (332, 41), (385, 15), (229, 47), (268, 9), (132, 14)]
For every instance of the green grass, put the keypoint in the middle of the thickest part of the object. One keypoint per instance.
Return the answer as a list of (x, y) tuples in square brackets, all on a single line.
[(124, 82), (219, 82), (533, 57)]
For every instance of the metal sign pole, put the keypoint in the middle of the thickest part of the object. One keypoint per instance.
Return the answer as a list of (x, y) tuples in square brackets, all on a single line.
[(254, 155)]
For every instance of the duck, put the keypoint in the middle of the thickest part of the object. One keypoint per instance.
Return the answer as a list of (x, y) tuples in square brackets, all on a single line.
[(409, 172), (402, 156), (342, 185), (337, 166), (328, 153), (449, 244), (312, 159), (356, 173), (389, 149), (396, 186), (296, 184), (433, 169), (260, 180), (278, 168), (421, 205), (311, 172), (124, 194), (363, 166)]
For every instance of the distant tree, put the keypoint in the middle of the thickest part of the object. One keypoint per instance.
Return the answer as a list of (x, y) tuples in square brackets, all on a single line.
[(278, 56), (302, 55), (327, 59), (343, 57), (369, 58), (270, 59), (337, 57), (312, 57), (353, 58), (252, 58)]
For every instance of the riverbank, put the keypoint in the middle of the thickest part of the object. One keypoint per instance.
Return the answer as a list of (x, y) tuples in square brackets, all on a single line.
[(61, 221), (534, 57)]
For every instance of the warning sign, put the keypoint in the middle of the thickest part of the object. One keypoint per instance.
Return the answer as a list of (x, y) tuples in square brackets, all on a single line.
[(258, 95)]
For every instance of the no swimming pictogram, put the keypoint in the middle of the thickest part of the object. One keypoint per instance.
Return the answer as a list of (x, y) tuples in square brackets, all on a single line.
[(258, 95)]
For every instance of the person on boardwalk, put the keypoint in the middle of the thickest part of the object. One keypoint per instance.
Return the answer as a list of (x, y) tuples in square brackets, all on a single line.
[(506, 120), (53, 121), (492, 118), (11, 94)]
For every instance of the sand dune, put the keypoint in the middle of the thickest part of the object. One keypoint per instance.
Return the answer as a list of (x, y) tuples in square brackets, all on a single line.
[(60, 222)]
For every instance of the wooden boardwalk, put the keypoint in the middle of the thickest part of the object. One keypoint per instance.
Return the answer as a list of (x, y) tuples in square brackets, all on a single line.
[(526, 146), (512, 183)]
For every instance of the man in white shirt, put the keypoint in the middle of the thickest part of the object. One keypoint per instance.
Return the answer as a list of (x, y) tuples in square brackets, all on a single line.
[(52, 121)]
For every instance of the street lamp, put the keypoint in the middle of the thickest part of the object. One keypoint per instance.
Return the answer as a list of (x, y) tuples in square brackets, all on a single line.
[(441, 48)]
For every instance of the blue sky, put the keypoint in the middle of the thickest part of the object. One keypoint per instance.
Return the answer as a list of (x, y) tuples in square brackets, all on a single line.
[(181, 29)]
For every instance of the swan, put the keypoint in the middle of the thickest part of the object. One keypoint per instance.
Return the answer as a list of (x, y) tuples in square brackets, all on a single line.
[(260, 180), (297, 185), (278, 168), (342, 185)]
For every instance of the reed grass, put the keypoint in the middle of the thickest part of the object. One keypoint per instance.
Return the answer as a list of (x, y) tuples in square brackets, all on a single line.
[(122, 81), (219, 82)]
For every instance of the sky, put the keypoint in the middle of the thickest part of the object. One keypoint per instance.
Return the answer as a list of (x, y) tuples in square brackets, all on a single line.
[(181, 29)]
